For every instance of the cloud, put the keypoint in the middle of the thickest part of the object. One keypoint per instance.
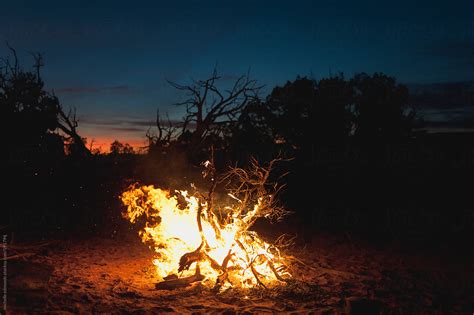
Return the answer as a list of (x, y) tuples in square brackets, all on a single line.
[(446, 106), (114, 121), (128, 122), (130, 125), (460, 51), (85, 89), (126, 129), (447, 95)]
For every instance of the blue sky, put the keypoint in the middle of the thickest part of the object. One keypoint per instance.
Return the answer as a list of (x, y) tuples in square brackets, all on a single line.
[(110, 59)]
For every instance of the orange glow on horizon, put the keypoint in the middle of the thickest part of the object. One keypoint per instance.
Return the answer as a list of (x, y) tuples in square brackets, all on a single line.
[(101, 137), (103, 143)]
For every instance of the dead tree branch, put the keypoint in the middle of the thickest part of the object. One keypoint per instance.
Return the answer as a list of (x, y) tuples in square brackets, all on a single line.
[(68, 124), (165, 132), (252, 186), (257, 195), (208, 107)]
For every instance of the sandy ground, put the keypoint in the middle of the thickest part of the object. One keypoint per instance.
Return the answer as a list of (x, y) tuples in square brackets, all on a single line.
[(113, 276)]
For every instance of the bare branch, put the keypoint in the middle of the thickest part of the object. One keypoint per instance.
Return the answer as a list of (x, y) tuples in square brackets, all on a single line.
[(158, 125), (67, 123), (253, 186), (14, 70), (213, 109), (38, 58)]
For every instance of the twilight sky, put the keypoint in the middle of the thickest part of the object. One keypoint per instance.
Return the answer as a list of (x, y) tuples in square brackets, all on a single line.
[(110, 59)]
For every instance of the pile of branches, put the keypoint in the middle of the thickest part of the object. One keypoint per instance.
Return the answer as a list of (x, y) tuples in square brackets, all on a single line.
[(248, 187)]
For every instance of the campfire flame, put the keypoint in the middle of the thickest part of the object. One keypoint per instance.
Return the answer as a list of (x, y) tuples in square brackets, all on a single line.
[(193, 238)]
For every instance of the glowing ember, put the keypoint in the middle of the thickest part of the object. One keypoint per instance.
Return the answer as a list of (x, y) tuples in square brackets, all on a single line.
[(193, 241)]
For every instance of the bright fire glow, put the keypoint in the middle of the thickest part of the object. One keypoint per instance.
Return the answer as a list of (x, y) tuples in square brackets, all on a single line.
[(171, 229)]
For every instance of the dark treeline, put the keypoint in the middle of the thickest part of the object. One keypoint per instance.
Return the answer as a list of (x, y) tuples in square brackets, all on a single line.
[(358, 161)]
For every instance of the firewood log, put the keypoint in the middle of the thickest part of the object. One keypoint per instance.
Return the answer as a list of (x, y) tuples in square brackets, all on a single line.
[(181, 282)]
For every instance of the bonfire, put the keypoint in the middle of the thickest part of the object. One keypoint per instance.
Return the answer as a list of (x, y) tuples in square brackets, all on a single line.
[(197, 239)]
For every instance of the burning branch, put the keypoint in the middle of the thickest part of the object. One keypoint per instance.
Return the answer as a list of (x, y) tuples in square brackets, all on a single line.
[(222, 248), (253, 187), (175, 282)]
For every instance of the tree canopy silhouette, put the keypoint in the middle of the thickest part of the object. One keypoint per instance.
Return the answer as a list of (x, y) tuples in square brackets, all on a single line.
[(301, 116), (36, 113), (117, 148), (307, 112), (382, 112)]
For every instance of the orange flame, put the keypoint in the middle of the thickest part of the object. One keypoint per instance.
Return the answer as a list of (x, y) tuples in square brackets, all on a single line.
[(172, 230)]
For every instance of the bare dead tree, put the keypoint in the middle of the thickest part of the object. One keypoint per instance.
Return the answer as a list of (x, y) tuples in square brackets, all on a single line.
[(247, 252), (209, 108), (13, 79), (256, 198), (166, 131), (38, 58), (68, 124), (9, 68)]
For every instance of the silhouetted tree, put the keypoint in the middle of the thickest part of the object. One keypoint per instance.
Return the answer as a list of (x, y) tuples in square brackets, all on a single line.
[(36, 113), (382, 114), (306, 113), (117, 148), (251, 135), (166, 133), (292, 107), (333, 111), (211, 109)]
